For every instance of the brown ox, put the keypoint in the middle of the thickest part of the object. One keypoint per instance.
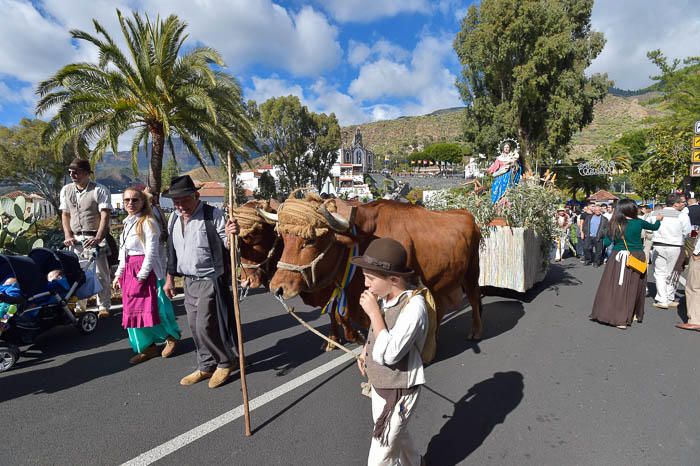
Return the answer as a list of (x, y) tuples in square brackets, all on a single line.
[(443, 248), (260, 250), (260, 246)]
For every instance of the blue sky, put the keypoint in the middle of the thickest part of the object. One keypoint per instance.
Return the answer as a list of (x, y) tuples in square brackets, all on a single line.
[(365, 60)]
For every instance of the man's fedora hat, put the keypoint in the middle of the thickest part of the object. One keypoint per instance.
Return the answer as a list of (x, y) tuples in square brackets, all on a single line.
[(80, 164), (384, 255), (181, 186)]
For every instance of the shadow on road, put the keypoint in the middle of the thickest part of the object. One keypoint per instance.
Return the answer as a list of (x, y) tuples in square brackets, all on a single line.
[(72, 373), (476, 414), (498, 318), (558, 275)]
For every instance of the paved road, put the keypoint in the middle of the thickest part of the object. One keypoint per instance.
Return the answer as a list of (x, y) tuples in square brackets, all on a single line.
[(545, 387)]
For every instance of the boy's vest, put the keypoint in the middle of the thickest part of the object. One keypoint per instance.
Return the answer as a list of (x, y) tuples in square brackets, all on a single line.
[(394, 376), (84, 214)]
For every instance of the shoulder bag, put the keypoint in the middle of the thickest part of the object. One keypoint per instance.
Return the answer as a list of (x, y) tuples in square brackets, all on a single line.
[(632, 262)]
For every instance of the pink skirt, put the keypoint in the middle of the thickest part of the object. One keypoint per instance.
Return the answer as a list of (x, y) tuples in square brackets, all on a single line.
[(139, 299)]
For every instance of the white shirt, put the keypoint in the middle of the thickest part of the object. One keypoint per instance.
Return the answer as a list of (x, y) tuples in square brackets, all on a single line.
[(674, 227), (131, 245), (407, 336), (104, 201)]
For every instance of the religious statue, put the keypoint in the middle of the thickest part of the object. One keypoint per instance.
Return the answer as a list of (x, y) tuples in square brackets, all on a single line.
[(506, 169)]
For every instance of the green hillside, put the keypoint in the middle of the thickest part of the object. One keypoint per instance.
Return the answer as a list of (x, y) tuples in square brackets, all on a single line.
[(613, 117)]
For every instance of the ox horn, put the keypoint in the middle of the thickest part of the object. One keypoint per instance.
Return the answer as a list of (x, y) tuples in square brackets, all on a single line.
[(335, 221), (269, 217)]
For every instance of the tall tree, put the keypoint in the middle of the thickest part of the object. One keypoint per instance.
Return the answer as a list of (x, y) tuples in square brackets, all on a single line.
[(153, 89), (26, 159), (667, 164), (680, 87), (302, 143), (523, 73)]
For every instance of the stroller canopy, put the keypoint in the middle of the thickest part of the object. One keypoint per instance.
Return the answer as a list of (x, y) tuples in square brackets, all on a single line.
[(48, 260), (29, 276)]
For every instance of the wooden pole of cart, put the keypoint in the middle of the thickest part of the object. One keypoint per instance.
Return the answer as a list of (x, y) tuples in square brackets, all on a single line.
[(232, 240)]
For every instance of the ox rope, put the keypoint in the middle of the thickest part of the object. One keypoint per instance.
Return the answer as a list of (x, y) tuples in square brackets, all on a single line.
[(339, 298), (293, 313), (311, 285)]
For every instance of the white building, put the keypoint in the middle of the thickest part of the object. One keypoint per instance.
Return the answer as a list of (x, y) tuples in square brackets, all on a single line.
[(249, 179), (352, 164)]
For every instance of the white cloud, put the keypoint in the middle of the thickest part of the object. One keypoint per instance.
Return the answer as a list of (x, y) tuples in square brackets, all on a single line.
[(265, 88), (32, 45), (328, 99), (262, 32), (303, 43), (370, 10), (359, 53), (424, 81), (672, 26)]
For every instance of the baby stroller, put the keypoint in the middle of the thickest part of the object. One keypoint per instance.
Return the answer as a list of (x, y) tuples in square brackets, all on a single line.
[(40, 307)]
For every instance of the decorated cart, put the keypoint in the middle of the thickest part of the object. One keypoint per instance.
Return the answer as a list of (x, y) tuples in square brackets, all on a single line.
[(517, 222)]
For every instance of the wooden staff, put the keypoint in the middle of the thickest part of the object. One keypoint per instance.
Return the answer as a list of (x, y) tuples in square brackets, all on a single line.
[(232, 241)]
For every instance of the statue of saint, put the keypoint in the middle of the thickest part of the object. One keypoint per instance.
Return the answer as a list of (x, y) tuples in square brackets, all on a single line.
[(506, 171)]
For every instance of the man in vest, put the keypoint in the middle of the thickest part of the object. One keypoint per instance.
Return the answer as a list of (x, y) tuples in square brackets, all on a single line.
[(86, 207), (197, 242)]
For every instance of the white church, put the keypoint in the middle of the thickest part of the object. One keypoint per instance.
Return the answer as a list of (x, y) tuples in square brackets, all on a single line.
[(353, 163)]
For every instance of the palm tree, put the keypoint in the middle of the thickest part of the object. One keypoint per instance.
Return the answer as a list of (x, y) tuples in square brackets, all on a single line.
[(616, 153), (156, 91)]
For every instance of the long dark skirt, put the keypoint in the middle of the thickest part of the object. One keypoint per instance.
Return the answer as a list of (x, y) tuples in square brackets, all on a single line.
[(617, 304)]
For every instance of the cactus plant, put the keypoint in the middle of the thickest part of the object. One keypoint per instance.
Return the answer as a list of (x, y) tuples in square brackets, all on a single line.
[(14, 225)]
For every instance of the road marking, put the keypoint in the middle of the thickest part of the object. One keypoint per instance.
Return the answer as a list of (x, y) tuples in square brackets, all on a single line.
[(200, 431), (171, 446)]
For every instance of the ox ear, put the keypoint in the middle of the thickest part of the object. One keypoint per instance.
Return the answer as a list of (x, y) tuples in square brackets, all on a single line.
[(274, 203), (345, 210), (345, 239)]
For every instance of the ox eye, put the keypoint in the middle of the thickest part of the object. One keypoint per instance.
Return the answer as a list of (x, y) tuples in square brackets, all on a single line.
[(309, 243)]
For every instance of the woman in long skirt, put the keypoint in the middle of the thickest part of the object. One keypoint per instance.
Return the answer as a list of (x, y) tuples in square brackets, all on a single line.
[(147, 314), (621, 292)]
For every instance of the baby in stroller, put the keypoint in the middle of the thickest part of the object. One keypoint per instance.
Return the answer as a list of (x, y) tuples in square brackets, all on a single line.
[(57, 283), (10, 295)]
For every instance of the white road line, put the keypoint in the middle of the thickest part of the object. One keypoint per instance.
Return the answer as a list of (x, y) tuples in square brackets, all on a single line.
[(200, 431)]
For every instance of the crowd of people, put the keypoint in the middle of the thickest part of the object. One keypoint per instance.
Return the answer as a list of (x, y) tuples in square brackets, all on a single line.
[(151, 253), (663, 236)]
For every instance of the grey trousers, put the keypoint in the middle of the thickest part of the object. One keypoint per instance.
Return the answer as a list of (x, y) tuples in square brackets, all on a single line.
[(104, 297), (200, 304)]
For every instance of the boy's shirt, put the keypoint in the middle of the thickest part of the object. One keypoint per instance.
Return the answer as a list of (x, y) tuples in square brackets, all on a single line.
[(407, 336)]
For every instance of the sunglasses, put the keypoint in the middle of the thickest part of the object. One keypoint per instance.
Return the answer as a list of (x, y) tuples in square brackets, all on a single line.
[(128, 200), (74, 172)]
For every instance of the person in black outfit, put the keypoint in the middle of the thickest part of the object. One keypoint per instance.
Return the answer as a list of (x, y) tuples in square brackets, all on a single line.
[(595, 227), (694, 212)]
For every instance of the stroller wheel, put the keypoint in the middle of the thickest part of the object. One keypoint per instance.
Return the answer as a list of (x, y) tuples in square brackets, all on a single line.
[(87, 322), (9, 355)]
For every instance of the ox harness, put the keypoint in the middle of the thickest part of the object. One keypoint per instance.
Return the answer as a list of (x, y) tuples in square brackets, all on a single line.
[(338, 300)]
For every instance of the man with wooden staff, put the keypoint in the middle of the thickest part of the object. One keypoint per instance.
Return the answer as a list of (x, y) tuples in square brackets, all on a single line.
[(197, 250)]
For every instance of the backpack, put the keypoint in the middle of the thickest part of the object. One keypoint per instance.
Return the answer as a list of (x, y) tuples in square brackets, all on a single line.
[(430, 346)]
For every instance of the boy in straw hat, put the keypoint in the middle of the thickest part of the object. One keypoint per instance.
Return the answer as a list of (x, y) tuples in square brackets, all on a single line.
[(392, 355)]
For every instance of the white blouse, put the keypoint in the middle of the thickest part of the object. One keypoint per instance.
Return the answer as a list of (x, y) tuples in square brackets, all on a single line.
[(131, 245)]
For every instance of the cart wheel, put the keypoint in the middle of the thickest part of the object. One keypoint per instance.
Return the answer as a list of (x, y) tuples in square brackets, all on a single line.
[(87, 322), (9, 355)]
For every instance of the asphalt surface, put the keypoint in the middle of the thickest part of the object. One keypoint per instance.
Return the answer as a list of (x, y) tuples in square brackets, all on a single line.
[(545, 386)]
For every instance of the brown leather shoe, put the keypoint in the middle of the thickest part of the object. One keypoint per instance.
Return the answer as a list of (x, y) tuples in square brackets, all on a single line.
[(169, 347), (220, 376), (103, 313), (149, 353), (194, 377)]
